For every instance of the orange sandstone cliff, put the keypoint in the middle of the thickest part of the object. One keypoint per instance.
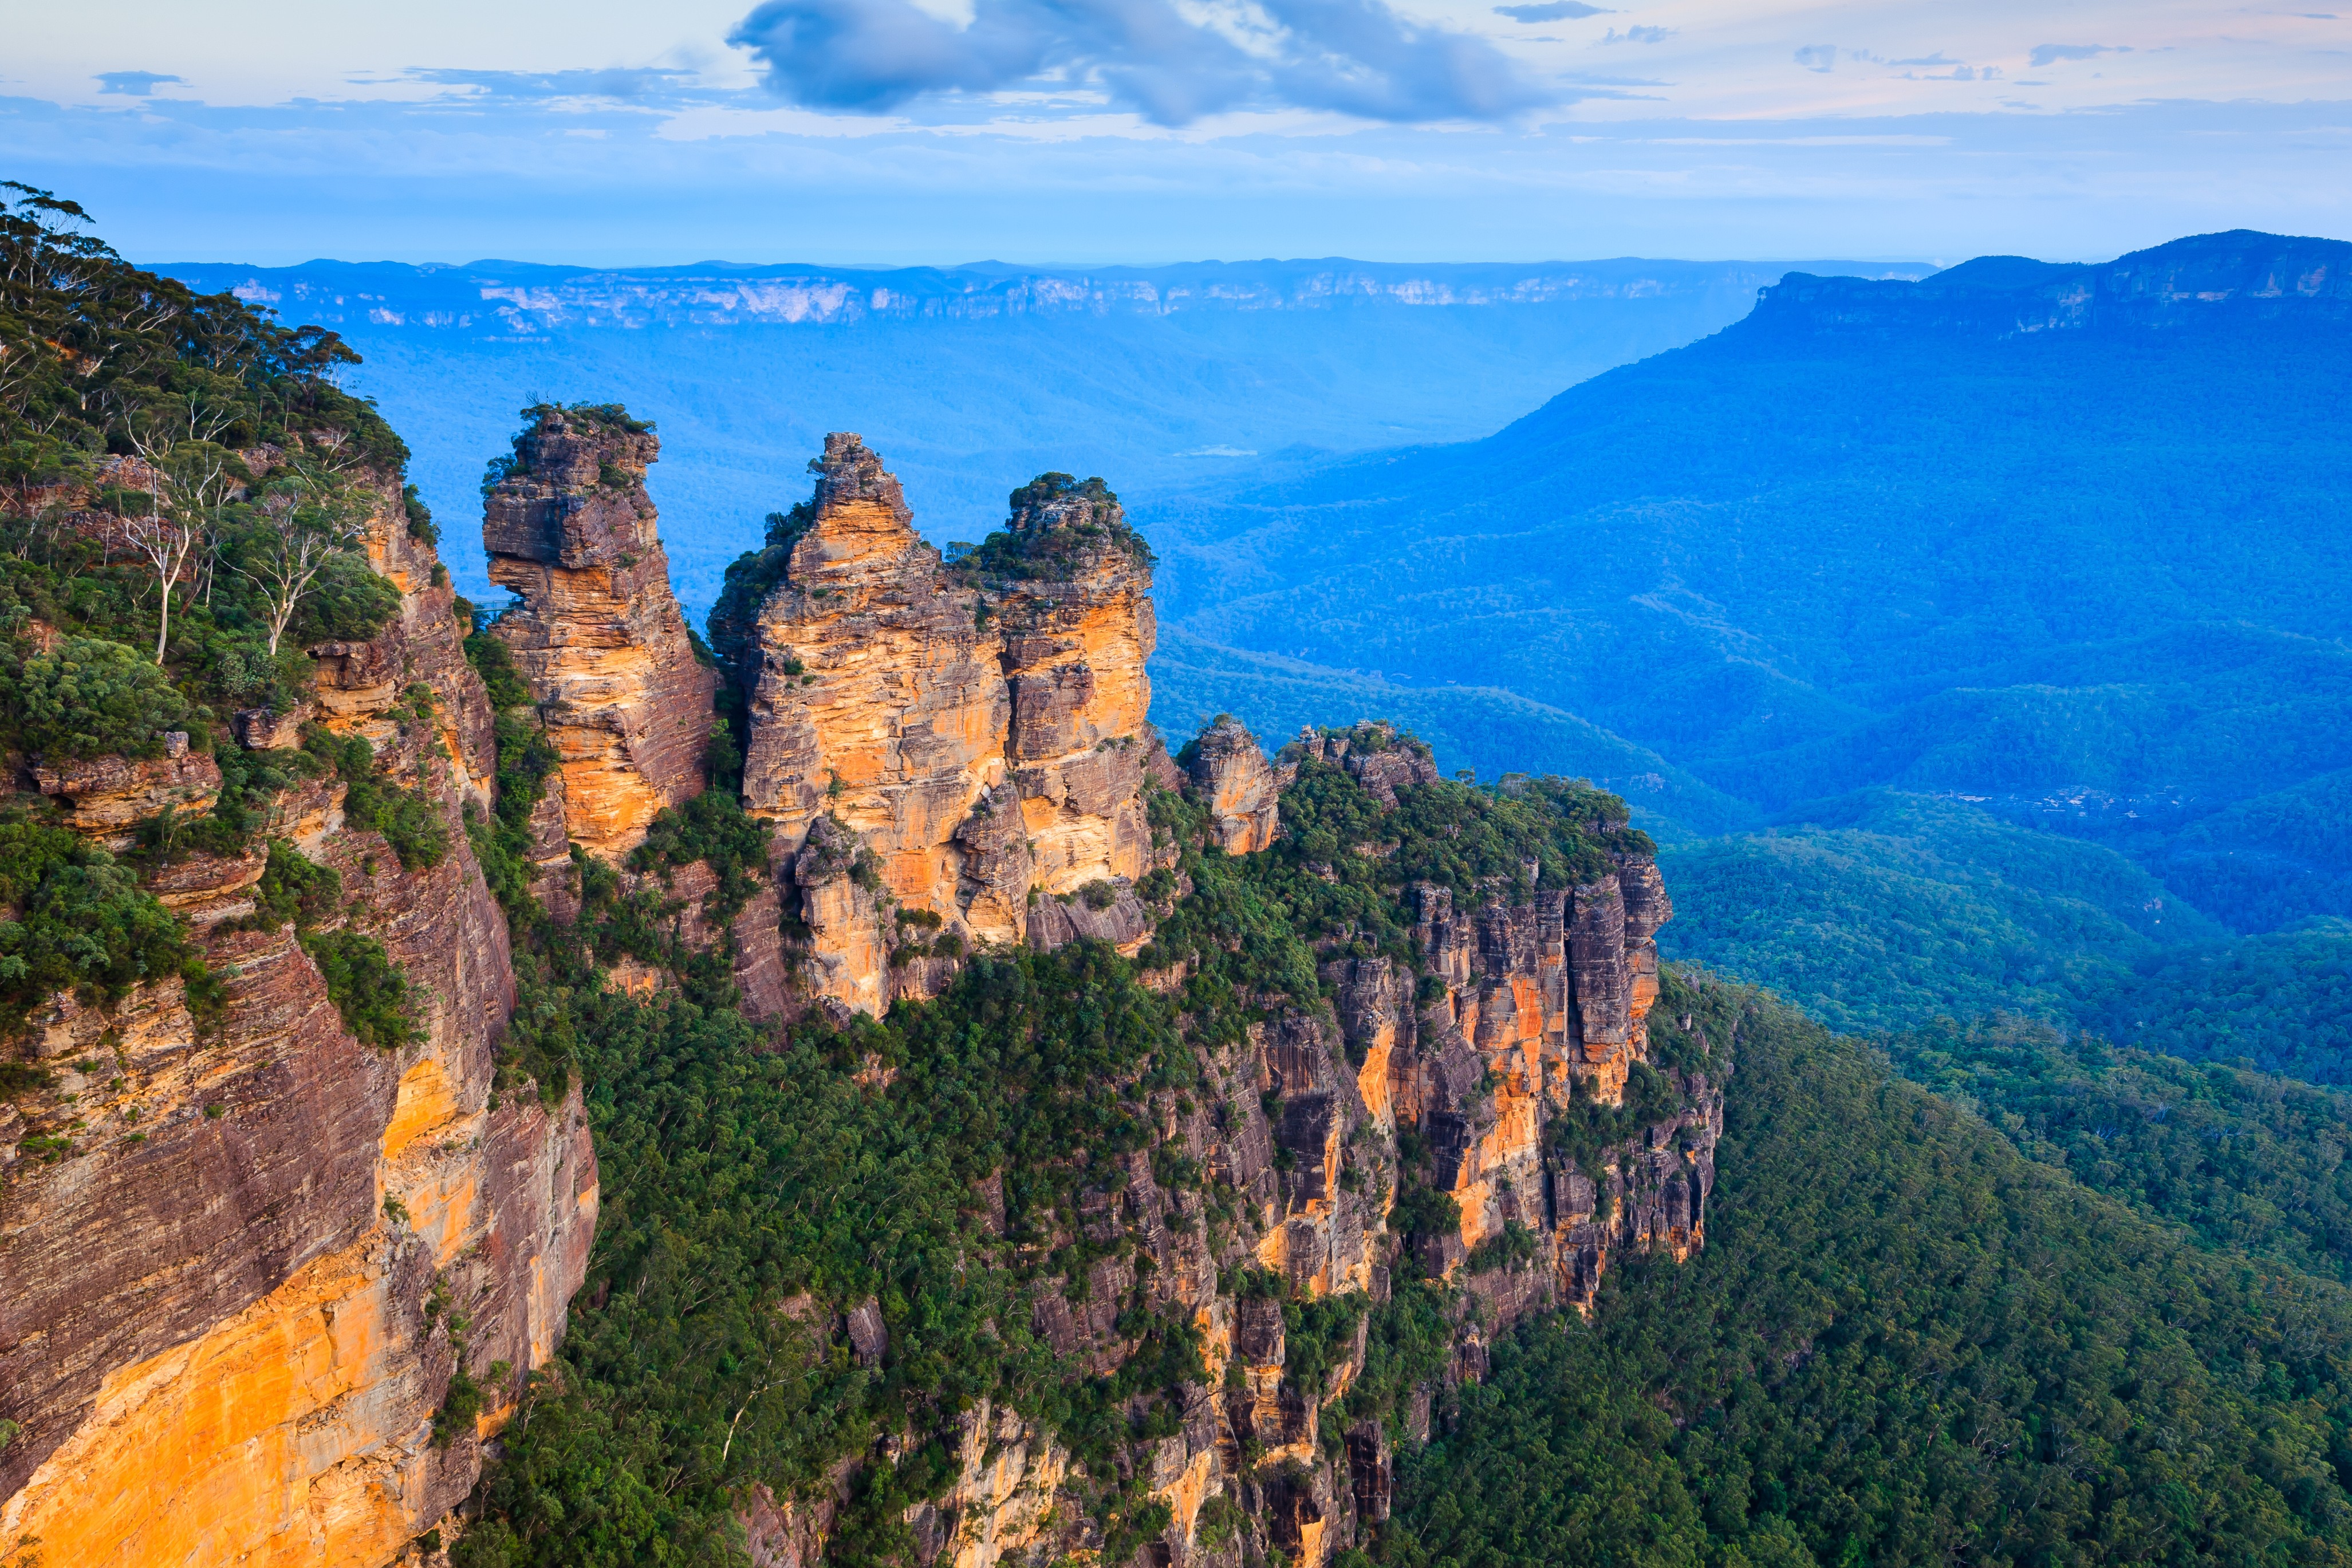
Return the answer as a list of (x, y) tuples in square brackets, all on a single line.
[(570, 530), (232, 1253), (973, 734)]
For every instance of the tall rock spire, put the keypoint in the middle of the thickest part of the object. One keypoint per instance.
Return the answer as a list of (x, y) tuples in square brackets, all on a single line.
[(598, 635), (979, 727)]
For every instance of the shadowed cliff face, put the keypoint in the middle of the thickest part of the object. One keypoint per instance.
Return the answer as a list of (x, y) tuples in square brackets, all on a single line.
[(598, 635), (226, 1324), (978, 730)]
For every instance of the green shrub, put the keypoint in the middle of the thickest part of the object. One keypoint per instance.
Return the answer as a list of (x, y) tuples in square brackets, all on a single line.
[(294, 888), (408, 820), (373, 996), (91, 697), (76, 919), (421, 526), (713, 829)]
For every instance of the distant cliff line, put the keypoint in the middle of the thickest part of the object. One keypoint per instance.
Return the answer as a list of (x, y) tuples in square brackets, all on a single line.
[(498, 296)]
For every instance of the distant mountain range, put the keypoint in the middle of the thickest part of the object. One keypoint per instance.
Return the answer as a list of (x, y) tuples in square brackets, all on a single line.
[(970, 380), (2068, 542)]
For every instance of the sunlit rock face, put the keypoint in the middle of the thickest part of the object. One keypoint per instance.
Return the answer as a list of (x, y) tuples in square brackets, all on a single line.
[(599, 636), (977, 726), (224, 1326), (1241, 791)]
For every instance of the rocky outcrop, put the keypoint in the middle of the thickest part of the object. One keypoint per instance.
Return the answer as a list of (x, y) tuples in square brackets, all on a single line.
[(1241, 791), (235, 1250), (598, 634), (978, 728), (106, 798)]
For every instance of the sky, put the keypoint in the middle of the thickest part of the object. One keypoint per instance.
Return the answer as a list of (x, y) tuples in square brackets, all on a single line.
[(1091, 131)]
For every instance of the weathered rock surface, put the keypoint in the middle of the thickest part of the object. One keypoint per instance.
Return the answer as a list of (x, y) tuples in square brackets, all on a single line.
[(599, 636), (1242, 791), (979, 728), (106, 798), (215, 1335), (1538, 1003)]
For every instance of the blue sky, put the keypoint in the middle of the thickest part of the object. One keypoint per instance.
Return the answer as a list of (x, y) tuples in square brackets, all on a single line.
[(1138, 130)]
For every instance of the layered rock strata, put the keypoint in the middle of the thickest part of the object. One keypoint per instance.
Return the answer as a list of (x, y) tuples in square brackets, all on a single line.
[(234, 1251), (976, 728), (598, 635)]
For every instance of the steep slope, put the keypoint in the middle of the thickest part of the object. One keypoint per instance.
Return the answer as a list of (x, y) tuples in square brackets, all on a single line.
[(1905, 1343), (1199, 1327)]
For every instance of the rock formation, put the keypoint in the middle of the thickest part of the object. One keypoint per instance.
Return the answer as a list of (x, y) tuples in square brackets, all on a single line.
[(1539, 1003), (978, 728), (1236, 785), (234, 1250), (234, 1337), (598, 635)]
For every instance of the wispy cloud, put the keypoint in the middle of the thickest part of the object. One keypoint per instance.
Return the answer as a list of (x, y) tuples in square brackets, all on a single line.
[(132, 84), (1637, 36), (1556, 11), (1818, 56), (2051, 53), (629, 84), (1348, 57)]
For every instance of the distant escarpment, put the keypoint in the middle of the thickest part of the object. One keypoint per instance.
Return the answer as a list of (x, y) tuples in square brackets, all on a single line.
[(2235, 278)]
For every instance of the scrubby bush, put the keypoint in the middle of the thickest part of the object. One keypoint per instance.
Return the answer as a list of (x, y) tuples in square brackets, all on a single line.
[(90, 697)]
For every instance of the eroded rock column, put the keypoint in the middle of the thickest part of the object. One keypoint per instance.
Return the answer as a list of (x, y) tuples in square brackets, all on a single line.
[(599, 635)]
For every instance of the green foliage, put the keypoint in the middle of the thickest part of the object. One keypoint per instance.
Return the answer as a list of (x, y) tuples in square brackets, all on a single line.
[(1084, 524), (90, 697), (377, 1004), (751, 578), (73, 919), (2247, 1162), (108, 361), (737, 1177), (1887, 911), (1424, 1210), (349, 603), (1586, 1129), (1513, 1244), (293, 886), (713, 829), (2282, 1000), (94, 343), (421, 526), (1904, 1344), (460, 1404)]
